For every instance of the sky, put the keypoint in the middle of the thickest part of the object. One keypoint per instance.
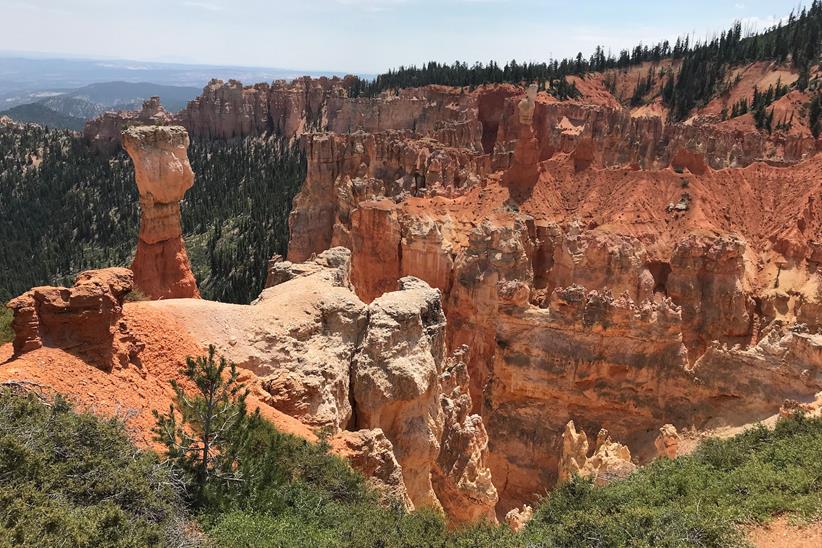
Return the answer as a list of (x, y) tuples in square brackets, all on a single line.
[(361, 36)]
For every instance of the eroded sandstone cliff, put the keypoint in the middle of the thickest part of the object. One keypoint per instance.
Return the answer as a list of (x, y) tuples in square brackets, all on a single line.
[(600, 266), (376, 378)]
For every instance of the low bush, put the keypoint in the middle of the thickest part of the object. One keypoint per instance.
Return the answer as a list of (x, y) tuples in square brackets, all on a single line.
[(69, 479)]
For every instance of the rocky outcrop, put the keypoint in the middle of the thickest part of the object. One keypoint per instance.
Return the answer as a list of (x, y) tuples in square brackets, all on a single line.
[(517, 518), (395, 383), (707, 280), (523, 172), (403, 383), (462, 478), (105, 132), (372, 454), (610, 460), (163, 174), (375, 377), (299, 339), (85, 319), (667, 442)]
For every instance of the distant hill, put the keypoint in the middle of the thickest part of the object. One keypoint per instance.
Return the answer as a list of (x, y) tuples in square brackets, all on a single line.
[(37, 113), (26, 78), (122, 96), (70, 109)]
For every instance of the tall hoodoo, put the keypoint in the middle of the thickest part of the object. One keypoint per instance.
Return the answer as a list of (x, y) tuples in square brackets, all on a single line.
[(163, 174)]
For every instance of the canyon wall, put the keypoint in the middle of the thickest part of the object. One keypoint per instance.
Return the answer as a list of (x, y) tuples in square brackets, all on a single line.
[(105, 132), (595, 126), (609, 269)]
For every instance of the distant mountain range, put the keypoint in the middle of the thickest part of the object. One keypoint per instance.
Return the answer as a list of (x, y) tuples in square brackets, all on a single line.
[(65, 92), (37, 113), (23, 75), (70, 109)]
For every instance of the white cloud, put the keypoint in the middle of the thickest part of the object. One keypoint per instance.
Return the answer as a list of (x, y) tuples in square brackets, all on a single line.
[(208, 6), (371, 5), (761, 23)]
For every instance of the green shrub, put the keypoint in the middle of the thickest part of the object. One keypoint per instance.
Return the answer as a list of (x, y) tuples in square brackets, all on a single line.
[(72, 479), (693, 501), (6, 332)]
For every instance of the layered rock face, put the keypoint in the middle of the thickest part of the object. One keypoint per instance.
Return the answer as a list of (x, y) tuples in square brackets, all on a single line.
[(228, 110), (376, 377), (593, 262), (608, 137), (86, 320), (345, 170), (163, 174)]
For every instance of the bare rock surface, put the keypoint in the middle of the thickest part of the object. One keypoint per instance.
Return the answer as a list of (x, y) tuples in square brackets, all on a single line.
[(86, 319), (610, 460), (372, 454)]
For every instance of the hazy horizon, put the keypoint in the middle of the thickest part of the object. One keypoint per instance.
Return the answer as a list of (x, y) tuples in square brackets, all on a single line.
[(359, 36)]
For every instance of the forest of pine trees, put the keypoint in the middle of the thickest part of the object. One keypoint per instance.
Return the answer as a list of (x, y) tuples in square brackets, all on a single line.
[(703, 64), (77, 210)]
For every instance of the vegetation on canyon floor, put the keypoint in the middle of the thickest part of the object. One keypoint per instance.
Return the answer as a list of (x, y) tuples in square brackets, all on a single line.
[(65, 208), (695, 500), (73, 479)]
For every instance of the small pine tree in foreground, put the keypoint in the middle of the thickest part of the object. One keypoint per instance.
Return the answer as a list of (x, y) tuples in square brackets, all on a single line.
[(205, 431)]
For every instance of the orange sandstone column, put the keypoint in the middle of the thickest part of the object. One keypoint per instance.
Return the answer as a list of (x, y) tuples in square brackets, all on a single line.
[(161, 267)]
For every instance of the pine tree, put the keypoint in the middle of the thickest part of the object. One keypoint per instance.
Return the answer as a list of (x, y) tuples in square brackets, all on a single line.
[(213, 425), (815, 115)]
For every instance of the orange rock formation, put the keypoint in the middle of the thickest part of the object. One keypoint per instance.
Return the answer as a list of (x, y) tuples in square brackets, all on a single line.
[(85, 320), (106, 131), (599, 265), (313, 354), (163, 175)]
